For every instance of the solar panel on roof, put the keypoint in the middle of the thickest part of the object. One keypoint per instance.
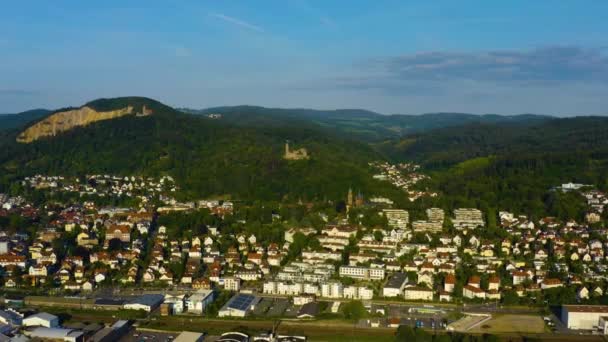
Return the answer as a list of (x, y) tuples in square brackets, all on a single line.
[(241, 302)]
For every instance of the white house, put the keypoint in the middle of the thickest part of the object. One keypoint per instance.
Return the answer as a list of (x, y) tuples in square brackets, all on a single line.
[(417, 293)]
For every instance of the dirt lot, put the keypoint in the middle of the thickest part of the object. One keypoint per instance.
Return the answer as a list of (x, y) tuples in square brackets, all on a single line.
[(529, 324)]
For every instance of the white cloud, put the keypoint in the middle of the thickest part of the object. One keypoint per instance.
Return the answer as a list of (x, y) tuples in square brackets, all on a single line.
[(237, 22)]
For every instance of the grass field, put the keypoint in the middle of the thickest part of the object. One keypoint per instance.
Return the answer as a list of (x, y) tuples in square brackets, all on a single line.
[(524, 324)]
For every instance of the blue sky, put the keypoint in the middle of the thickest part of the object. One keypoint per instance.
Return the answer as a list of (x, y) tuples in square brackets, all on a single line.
[(409, 57)]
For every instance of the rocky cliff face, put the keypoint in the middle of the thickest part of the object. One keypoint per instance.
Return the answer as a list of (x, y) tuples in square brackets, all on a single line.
[(64, 121)]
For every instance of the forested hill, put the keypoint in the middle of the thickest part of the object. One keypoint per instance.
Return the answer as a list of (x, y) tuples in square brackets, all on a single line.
[(206, 156), (362, 124), (512, 167), (448, 146)]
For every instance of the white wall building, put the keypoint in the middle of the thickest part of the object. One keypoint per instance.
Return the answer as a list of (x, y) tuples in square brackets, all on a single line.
[(332, 290), (232, 284), (362, 272), (583, 317), (41, 319), (199, 300)]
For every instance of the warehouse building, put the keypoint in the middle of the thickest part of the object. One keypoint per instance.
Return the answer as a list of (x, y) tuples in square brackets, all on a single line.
[(198, 301), (239, 305), (147, 302), (583, 317), (41, 319), (55, 334), (188, 336)]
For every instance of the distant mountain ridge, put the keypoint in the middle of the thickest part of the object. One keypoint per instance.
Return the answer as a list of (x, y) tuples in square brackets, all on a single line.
[(10, 121), (360, 124), (363, 124)]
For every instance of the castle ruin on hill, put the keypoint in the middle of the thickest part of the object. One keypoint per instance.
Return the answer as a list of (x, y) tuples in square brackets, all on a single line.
[(299, 154)]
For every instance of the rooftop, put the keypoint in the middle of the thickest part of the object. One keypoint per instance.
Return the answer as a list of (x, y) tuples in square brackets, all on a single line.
[(396, 280), (587, 308), (148, 299), (241, 302), (188, 336)]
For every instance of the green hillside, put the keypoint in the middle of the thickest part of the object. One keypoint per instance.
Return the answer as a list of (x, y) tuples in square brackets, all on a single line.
[(511, 167), (448, 146), (207, 157)]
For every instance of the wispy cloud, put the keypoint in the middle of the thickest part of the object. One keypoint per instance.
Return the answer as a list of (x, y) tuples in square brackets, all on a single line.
[(547, 64), (238, 22), (510, 80)]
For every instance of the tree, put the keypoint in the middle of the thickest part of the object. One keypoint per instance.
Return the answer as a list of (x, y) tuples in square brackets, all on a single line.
[(378, 235), (354, 310), (510, 297), (405, 334), (115, 245)]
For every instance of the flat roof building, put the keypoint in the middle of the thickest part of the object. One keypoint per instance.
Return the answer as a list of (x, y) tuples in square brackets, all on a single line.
[(147, 302), (583, 317), (239, 305), (199, 300), (56, 334), (41, 319), (188, 336)]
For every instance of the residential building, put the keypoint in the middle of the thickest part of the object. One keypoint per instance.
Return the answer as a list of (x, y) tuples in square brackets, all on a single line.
[(395, 285), (397, 218), (367, 273), (417, 293)]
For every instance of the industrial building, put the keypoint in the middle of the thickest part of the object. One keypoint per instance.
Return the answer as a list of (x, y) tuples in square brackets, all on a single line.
[(147, 302), (55, 334), (199, 300), (188, 336), (583, 317), (41, 319), (239, 305)]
